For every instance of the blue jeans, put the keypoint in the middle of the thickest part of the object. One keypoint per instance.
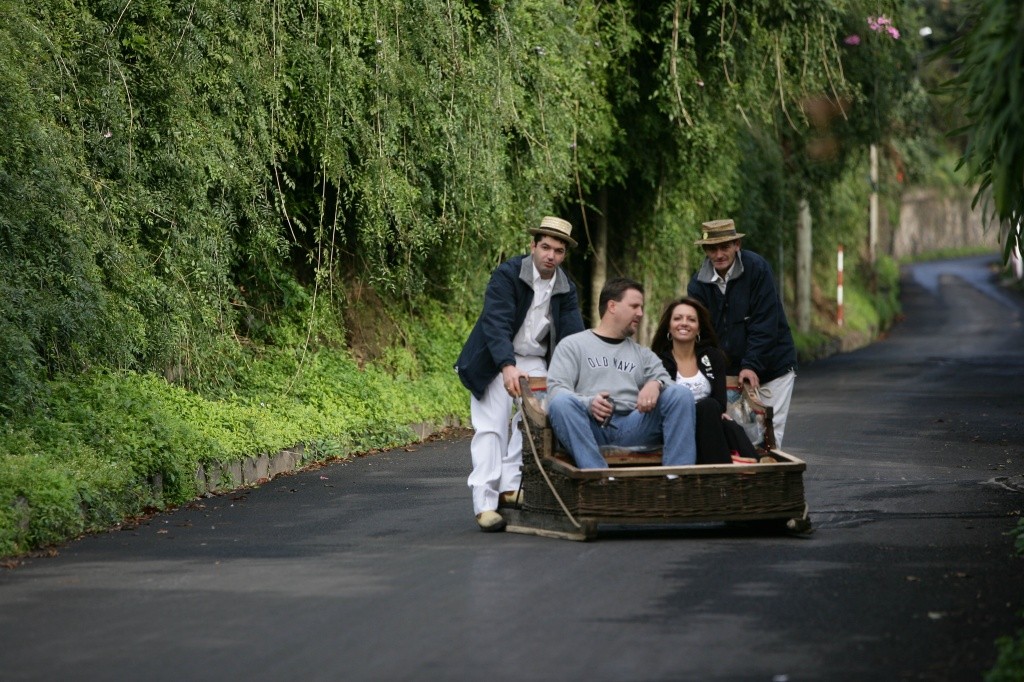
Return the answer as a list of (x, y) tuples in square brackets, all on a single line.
[(670, 424)]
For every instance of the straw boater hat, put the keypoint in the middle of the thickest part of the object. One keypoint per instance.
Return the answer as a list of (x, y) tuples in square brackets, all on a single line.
[(718, 231), (555, 227)]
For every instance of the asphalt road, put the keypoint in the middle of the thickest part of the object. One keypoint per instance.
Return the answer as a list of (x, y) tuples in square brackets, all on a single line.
[(374, 570)]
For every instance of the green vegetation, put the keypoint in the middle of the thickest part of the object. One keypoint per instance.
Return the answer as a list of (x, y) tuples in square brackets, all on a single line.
[(228, 229), (990, 56), (1009, 665), (945, 254), (108, 445)]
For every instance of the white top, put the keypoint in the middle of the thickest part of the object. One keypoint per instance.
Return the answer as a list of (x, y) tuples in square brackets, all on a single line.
[(699, 385), (531, 339)]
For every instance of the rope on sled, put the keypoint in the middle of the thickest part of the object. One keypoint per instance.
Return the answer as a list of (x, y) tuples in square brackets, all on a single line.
[(536, 458)]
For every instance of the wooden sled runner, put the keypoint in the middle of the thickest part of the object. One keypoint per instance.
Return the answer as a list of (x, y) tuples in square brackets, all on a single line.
[(562, 501)]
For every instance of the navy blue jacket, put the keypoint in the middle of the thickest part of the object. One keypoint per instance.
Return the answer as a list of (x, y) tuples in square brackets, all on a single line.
[(749, 318), (507, 300)]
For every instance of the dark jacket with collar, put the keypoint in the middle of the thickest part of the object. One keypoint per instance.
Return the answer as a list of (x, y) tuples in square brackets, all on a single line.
[(748, 318), (507, 300), (711, 363)]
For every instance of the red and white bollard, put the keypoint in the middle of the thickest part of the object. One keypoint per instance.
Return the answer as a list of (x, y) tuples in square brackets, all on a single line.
[(839, 289)]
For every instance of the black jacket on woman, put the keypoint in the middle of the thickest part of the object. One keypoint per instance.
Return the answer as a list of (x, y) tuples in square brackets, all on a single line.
[(717, 438), (712, 364)]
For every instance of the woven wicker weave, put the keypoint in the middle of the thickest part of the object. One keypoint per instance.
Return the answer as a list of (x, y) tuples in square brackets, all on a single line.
[(699, 492), (642, 494)]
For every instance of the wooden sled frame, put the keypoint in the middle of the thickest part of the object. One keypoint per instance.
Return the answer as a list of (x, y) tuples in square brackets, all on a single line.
[(562, 501)]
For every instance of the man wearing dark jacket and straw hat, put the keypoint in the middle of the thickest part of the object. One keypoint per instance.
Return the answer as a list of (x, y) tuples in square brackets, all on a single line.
[(738, 288), (529, 306)]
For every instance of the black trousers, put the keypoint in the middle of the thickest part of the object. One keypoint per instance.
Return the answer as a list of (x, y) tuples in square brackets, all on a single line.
[(717, 437)]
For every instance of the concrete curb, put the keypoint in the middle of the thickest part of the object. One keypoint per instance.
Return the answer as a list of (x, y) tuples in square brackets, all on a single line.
[(257, 469)]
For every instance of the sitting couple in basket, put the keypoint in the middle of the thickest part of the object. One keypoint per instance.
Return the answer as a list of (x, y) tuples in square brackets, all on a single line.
[(605, 389)]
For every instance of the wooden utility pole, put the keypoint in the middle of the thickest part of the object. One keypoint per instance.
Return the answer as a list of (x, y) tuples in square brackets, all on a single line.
[(873, 207), (599, 242), (803, 267)]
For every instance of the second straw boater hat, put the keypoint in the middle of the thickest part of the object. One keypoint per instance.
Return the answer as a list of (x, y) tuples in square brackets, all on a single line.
[(555, 227), (718, 231)]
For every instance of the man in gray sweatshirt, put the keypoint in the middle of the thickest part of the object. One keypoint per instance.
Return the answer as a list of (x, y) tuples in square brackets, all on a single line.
[(606, 389)]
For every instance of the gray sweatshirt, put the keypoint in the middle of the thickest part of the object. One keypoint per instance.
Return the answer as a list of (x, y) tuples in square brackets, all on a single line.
[(584, 365)]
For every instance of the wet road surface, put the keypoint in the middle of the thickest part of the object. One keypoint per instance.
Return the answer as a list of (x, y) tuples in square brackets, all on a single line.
[(374, 570)]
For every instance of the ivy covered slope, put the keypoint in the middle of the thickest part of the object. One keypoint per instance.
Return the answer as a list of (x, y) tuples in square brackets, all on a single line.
[(198, 202), (232, 228)]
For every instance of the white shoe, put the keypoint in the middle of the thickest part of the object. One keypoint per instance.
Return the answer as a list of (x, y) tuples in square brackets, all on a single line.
[(490, 521), (511, 498)]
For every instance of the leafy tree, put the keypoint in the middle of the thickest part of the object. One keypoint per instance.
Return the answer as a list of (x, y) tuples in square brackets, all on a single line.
[(990, 55), (183, 183)]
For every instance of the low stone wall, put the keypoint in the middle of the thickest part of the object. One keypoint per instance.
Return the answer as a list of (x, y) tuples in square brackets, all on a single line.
[(256, 469), (931, 220)]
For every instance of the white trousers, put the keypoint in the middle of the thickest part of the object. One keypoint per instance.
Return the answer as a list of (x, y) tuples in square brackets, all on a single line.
[(778, 392), (497, 445)]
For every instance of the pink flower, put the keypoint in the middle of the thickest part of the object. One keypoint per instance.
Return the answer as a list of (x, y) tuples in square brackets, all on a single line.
[(883, 23), (852, 39)]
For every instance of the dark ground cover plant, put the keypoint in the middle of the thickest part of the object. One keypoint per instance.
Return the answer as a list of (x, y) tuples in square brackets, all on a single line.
[(107, 445)]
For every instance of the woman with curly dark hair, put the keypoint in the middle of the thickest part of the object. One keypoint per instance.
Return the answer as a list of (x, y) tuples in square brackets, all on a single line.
[(685, 341)]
